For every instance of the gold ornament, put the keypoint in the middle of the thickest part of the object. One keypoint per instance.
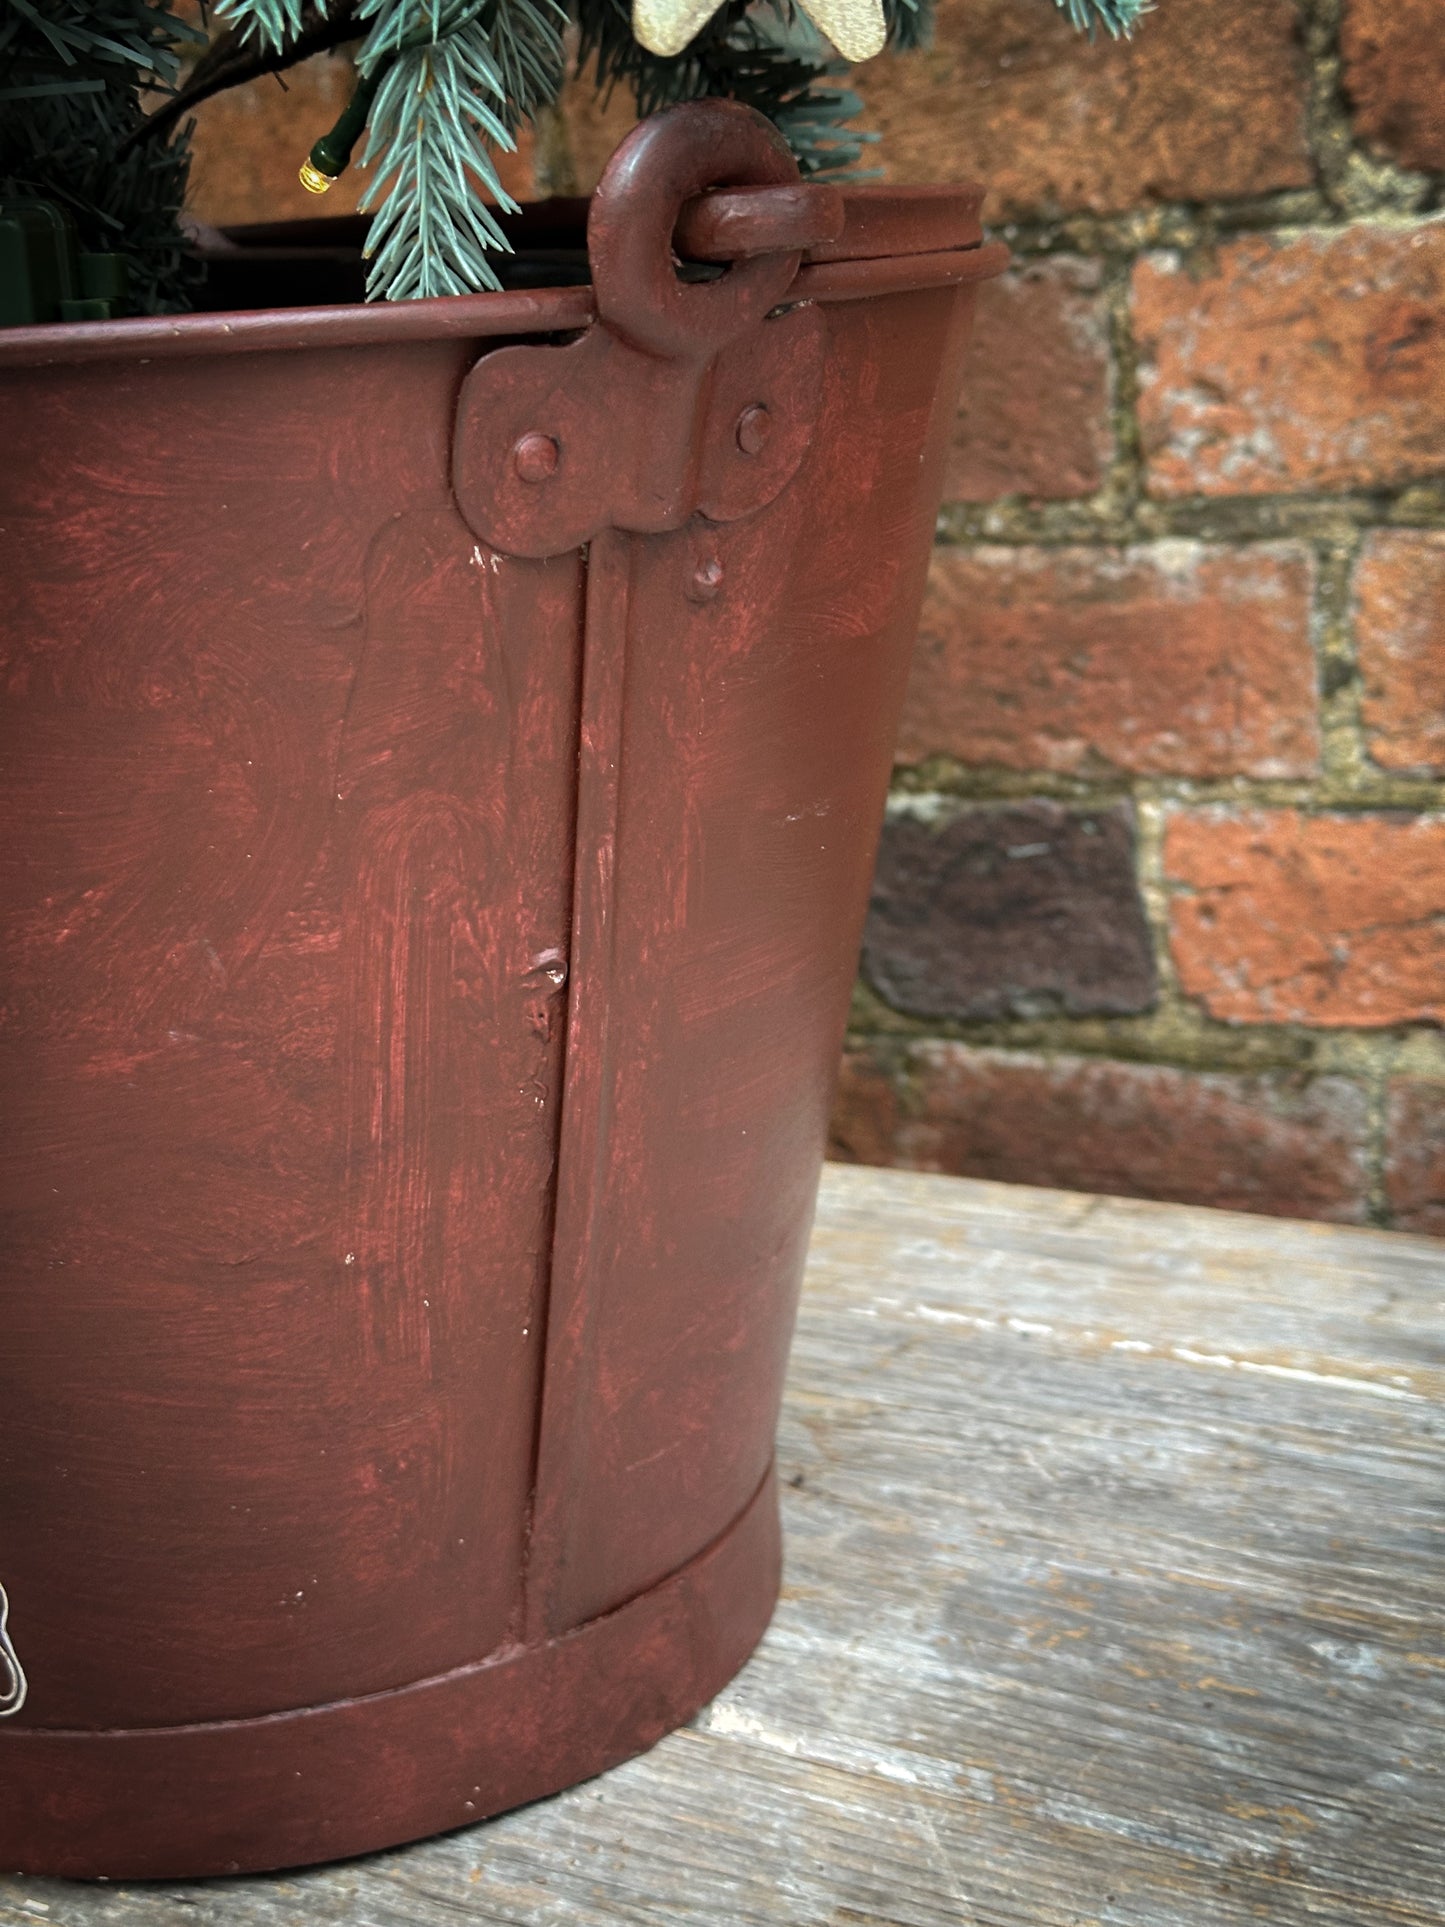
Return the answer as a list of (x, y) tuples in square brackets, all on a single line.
[(855, 27)]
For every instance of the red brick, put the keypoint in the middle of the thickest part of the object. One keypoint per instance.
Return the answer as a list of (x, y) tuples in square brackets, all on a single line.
[(1400, 640), (1286, 918), (1172, 659), (1010, 909), (1206, 102), (1394, 52), (1285, 1147), (1414, 1154), (1035, 414), (864, 1124), (1313, 362)]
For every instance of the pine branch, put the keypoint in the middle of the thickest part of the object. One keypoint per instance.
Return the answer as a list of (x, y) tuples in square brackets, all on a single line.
[(794, 81), (441, 108), (1118, 17), (236, 57), (269, 23), (910, 24), (72, 44), (70, 77), (531, 57)]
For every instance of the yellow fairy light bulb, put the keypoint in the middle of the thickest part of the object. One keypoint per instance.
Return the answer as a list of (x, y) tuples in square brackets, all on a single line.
[(313, 180)]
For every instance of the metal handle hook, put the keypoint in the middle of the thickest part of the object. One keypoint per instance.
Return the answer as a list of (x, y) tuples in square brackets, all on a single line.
[(663, 163)]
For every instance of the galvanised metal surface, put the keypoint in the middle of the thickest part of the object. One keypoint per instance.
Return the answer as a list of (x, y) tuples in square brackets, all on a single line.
[(441, 783)]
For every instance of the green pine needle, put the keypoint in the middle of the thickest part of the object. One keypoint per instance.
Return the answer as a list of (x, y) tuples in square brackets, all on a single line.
[(1119, 17), (115, 41), (272, 22), (458, 80), (71, 74), (910, 24), (435, 112)]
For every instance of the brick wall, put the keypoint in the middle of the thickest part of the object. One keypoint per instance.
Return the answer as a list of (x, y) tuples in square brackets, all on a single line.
[(1160, 904)]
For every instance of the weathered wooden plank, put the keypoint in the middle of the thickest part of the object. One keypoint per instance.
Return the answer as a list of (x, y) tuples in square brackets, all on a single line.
[(1116, 1535)]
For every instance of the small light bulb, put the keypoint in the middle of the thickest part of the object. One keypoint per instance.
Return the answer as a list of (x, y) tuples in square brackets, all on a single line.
[(313, 180)]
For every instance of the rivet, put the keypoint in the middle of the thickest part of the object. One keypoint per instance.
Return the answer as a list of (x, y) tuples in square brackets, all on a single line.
[(755, 425), (535, 457), (707, 579)]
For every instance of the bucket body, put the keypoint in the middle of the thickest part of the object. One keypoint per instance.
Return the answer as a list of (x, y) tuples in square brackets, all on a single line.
[(444, 752)]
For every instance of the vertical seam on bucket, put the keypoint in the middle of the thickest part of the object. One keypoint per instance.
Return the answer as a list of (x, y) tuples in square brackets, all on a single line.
[(586, 1077)]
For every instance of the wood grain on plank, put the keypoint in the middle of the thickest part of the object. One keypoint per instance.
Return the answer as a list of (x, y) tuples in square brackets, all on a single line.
[(1115, 1543)]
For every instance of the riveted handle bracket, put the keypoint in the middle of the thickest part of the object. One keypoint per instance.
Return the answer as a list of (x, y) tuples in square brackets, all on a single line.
[(683, 397)]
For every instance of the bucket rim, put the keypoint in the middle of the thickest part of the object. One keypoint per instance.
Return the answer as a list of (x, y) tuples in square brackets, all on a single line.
[(895, 240)]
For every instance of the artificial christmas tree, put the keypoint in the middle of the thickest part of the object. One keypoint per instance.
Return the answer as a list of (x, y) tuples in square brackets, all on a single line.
[(87, 214)]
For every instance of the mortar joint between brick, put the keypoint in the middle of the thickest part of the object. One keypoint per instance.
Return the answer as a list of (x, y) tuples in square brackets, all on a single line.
[(1355, 183), (1373, 190), (930, 787), (1345, 764), (1376, 1086), (1105, 519), (1328, 132), (1149, 820), (1175, 1034), (1125, 483)]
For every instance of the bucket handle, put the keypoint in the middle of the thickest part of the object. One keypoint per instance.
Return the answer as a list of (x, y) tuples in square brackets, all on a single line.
[(664, 163)]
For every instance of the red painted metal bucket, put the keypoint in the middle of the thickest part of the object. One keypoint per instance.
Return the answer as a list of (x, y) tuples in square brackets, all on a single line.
[(445, 745)]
